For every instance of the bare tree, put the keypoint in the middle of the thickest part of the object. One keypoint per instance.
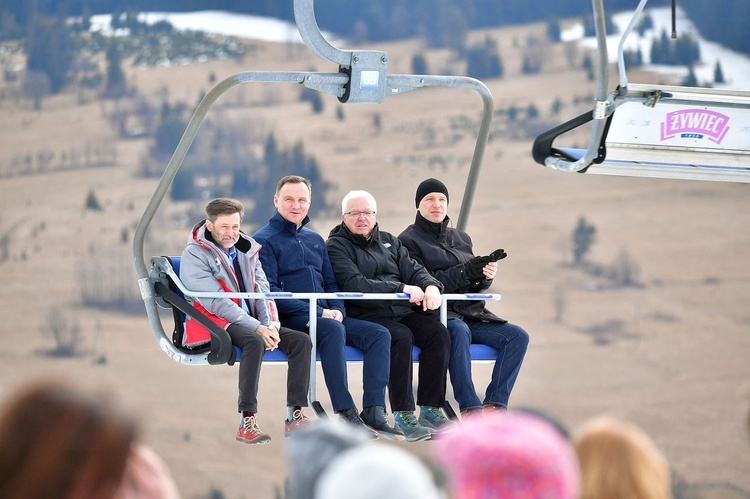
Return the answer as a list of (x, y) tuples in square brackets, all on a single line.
[(37, 87), (583, 238), (65, 336), (570, 50), (624, 271), (559, 302)]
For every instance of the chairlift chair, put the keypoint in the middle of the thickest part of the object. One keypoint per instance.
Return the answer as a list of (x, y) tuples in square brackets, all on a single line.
[(655, 131), (362, 77)]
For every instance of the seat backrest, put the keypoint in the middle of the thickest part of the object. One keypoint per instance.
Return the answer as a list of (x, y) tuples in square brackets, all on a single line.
[(179, 317)]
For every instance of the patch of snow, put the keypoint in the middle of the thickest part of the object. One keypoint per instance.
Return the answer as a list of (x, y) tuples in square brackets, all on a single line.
[(734, 65), (215, 22)]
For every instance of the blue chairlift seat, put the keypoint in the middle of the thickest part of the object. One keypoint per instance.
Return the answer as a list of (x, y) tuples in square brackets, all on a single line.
[(478, 352)]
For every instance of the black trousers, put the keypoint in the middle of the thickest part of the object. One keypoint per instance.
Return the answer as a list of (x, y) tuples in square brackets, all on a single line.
[(295, 344), (434, 340)]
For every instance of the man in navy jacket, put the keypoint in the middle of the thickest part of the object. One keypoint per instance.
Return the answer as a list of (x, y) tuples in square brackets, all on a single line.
[(295, 260)]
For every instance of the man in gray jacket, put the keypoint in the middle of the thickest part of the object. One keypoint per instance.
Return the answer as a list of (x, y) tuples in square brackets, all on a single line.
[(219, 258)]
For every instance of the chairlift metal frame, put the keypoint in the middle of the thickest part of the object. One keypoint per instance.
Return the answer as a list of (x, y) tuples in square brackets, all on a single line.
[(660, 131), (362, 77)]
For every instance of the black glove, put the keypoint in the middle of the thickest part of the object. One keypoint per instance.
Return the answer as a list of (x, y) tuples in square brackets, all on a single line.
[(498, 254), (473, 267)]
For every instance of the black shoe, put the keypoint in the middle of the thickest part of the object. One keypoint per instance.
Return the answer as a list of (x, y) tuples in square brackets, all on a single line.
[(375, 417), (351, 417)]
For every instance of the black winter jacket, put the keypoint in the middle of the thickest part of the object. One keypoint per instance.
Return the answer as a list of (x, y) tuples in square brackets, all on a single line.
[(443, 251), (379, 264)]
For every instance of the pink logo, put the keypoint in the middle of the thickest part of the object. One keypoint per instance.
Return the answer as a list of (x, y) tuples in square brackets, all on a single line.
[(695, 124)]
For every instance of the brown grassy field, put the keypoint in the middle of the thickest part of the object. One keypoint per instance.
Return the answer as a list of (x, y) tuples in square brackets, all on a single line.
[(669, 354)]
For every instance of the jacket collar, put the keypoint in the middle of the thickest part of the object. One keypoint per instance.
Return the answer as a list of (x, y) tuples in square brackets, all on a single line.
[(285, 225), (342, 230), (433, 228), (202, 235)]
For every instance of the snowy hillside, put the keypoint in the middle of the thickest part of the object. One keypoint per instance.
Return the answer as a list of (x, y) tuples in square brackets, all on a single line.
[(735, 66)]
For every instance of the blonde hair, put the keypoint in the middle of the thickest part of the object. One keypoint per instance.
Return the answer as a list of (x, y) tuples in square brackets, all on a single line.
[(620, 461)]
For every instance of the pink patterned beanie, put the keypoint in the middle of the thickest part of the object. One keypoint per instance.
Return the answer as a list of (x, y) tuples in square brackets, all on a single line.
[(509, 456)]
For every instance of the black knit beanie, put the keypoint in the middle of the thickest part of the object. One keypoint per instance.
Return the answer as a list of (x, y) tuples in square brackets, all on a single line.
[(428, 186)]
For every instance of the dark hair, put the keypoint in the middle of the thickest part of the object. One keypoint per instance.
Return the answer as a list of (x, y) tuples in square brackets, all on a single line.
[(224, 206), (56, 441), (293, 179)]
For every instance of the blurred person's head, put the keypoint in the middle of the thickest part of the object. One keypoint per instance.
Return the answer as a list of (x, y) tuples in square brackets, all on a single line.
[(620, 461), (56, 441), (374, 471), (509, 456), (312, 449)]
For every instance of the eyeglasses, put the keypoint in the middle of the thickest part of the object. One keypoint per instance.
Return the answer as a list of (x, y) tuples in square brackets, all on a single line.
[(356, 214)]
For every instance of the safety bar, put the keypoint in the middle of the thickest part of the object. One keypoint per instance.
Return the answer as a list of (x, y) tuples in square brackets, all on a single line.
[(164, 266)]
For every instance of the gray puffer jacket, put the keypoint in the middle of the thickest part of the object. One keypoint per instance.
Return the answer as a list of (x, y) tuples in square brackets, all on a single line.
[(206, 267)]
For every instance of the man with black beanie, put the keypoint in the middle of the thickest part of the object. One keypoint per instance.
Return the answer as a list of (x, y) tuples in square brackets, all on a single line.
[(447, 253)]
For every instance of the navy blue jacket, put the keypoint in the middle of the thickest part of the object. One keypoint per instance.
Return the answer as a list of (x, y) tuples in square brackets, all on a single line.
[(295, 260)]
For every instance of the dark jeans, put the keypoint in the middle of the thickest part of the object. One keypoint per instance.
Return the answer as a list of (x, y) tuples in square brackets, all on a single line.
[(372, 339), (509, 340), (434, 340), (295, 344)]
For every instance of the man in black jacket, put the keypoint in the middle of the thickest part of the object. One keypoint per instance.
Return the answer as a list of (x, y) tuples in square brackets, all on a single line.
[(447, 254), (367, 260)]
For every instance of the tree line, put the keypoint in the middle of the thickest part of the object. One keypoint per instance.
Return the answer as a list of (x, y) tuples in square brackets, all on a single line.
[(436, 20)]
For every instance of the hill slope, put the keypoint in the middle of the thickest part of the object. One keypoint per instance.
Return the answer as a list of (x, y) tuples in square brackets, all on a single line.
[(670, 354)]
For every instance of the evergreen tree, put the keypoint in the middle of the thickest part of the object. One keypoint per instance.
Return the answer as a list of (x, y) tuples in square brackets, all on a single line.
[(589, 28), (313, 97), (557, 106), (681, 52), (116, 86), (183, 186), (646, 23), (419, 64), (92, 202), (532, 112), (633, 58), (50, 50), (553, 30), (483, 60), (169, 131), (718, 73), (512, 113), (583, 238), (271, 151), (690, 80)]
